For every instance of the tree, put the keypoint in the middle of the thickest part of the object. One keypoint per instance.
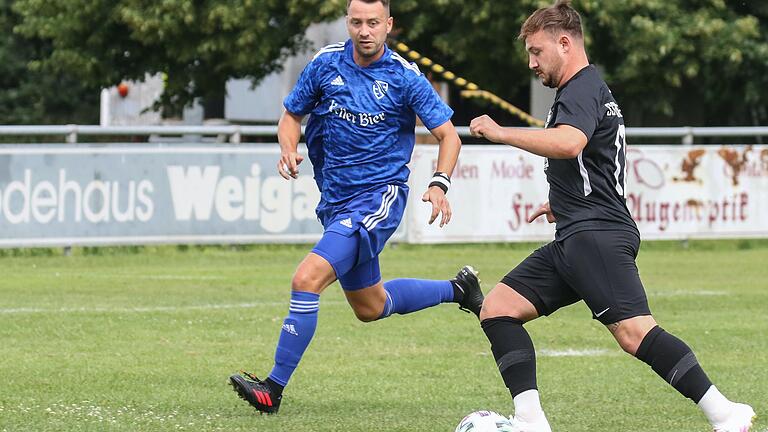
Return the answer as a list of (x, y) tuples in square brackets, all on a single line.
[(198, 44), (37, 96), (667, 62)]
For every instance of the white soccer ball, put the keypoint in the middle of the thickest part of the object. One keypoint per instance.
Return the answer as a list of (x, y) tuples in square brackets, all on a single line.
[(484, 421)]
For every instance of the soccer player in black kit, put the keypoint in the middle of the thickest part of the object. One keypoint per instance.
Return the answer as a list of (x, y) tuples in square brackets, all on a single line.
[(593, 255)]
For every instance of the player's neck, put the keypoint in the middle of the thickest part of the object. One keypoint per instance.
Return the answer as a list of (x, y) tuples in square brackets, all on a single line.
[(573, 68)]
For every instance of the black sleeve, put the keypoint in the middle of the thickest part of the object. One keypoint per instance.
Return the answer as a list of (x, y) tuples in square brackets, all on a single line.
[(579, 106)]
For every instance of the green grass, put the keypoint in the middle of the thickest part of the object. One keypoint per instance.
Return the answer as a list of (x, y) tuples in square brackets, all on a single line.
[(128, 339)]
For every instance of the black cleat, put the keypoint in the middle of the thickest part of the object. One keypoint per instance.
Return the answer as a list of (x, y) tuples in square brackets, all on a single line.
[(472, 296), (256, 392)]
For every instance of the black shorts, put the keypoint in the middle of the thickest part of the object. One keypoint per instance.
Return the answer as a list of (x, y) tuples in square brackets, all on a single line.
[(595, 266)]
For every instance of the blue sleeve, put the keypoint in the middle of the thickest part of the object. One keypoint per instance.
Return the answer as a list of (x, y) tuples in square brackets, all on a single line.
[(426, 103), (306, 93)]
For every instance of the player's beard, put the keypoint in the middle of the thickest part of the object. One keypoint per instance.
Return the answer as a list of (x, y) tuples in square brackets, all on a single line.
[(369, 50), (550, 79), (551, 76)]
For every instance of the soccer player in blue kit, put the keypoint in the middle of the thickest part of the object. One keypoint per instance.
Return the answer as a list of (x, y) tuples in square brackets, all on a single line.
[(362, 99)]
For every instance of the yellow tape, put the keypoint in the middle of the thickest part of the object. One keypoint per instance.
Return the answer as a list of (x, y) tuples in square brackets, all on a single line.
[(471, 90), (506, 106)]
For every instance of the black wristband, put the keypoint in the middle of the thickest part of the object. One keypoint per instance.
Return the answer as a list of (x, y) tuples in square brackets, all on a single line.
[(440, 180)]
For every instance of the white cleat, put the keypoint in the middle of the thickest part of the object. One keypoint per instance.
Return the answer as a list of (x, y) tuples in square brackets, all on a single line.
[(521, 426), (740, 419)]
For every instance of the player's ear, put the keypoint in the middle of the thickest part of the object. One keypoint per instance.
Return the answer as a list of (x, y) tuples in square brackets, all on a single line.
[(390, 22), (564, 43)]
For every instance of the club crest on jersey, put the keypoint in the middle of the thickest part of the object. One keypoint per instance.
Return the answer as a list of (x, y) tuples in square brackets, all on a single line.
[(380, 89)]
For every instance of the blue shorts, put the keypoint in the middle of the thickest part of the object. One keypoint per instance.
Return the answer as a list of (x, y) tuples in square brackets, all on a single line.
[(356, 232)]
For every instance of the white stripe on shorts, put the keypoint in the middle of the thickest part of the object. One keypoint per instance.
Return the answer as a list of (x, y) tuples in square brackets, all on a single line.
[(384, 198), (386, 204)]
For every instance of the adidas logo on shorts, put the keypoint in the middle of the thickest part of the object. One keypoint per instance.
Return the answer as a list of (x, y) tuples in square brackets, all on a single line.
[(346, 222), (337, 81)]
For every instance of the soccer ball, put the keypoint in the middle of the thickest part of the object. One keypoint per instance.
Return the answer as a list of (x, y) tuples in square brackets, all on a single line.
[(484, 421)]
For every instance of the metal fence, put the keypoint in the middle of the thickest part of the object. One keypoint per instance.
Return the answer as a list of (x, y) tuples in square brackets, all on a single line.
[(234, 134)]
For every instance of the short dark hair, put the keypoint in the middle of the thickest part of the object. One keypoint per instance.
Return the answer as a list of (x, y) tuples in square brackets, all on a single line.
[(384, 2), (559, 17)]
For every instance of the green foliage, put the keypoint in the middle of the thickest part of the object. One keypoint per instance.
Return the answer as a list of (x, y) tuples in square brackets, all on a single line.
[(663, 54), (38, 96), (703, 63), (667, 62), (199, 45)]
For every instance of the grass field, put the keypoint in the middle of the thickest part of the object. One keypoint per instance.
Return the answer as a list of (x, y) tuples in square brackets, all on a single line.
[(144, 340)]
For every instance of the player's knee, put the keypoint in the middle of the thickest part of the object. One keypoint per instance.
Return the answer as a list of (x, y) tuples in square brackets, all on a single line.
[(502, 301), (304, 281), (493, 309), (630, 333), (628, 344), (366, 313)]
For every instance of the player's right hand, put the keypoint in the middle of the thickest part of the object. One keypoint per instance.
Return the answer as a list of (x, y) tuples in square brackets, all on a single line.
[(288, 165), (543, 210), (485, 127)]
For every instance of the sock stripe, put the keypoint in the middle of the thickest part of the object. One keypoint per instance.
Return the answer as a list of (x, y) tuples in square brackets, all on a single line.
[(681, 368), (300, 306), (514, 357), (303, 310), (314, 306), (388, 305)]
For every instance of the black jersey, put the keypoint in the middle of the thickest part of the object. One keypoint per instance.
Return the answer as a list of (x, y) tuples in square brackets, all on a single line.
[(588, 192)]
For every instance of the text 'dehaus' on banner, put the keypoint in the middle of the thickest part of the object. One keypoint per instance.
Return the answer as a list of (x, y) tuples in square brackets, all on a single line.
[(133, 194), (673, 192)]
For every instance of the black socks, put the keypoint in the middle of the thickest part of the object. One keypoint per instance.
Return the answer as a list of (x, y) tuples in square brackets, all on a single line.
[(674, 361), (667, 355), (513, 350)]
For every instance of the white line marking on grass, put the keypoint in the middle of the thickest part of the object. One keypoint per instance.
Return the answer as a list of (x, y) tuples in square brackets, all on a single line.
[(170, 277), (89, 412), (679, 293), (574, 353), (147, 276), (151, 309)]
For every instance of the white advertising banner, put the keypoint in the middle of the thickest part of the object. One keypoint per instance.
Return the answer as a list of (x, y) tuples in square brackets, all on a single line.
[(673, 192), (61, 195)]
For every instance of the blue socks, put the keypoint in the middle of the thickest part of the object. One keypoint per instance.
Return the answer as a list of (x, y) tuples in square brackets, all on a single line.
[(410, 295), (298, 328), (403, 296)]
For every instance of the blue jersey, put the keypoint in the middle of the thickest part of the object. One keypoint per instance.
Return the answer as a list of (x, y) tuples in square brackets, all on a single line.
[(360, 133)]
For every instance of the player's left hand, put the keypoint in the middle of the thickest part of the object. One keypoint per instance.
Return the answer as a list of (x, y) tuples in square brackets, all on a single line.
[(485, 127), (543, 210), (440, 204)]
